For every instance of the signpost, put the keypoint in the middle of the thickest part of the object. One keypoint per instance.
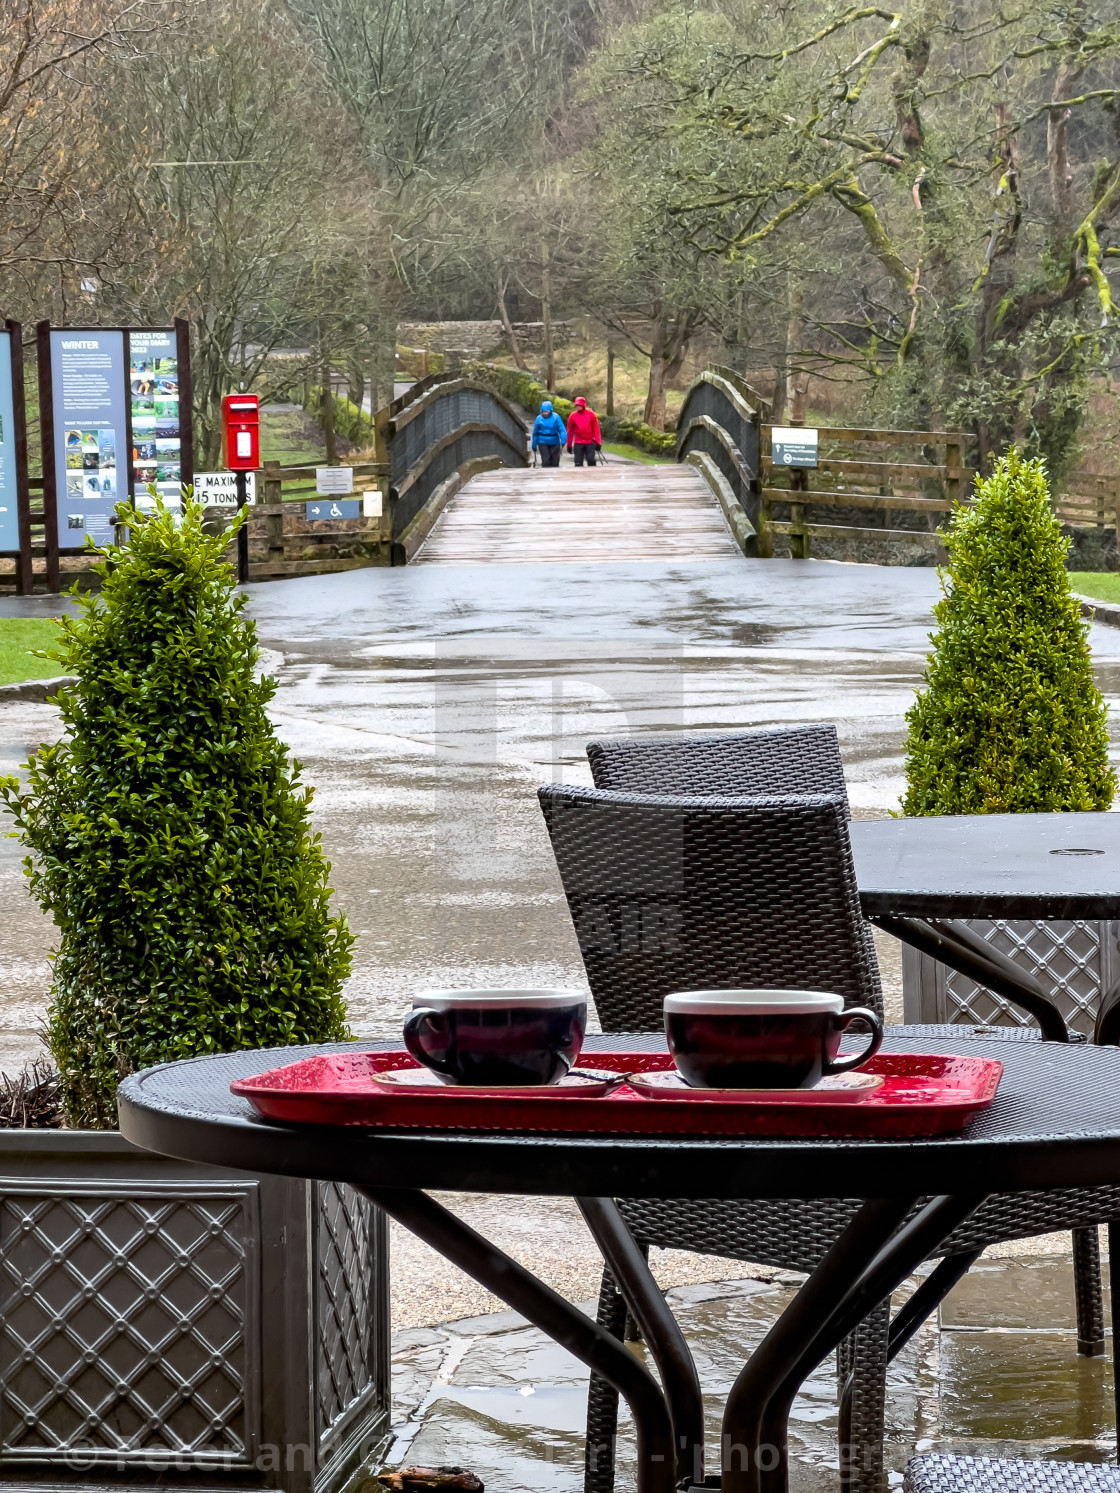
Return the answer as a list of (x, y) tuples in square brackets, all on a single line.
[(241, 452), (793, 446), (219, 489)]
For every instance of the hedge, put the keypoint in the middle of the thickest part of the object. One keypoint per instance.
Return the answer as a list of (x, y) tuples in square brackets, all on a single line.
[(521, 388), (353, 424)]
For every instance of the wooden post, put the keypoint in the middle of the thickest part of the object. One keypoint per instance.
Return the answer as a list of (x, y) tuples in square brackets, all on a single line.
[(423, 362), (954, 457), (798, 482), (272, 494), (46, 442), (25, 570), (610, 379), (766, 476)]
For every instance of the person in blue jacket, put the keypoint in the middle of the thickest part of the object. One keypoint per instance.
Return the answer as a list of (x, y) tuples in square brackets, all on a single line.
[(549, 435)]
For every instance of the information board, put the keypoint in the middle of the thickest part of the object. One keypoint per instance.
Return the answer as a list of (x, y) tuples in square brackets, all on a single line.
[(793, 446), (153, 387), (9, 489), (88, 383), (334, 479)]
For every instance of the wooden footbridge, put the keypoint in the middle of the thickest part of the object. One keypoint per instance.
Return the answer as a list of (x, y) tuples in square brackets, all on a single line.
[(618, 512), (451, 484)]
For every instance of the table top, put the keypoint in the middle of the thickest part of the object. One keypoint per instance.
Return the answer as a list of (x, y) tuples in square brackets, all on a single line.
[(990, 865), (1055, 1123)]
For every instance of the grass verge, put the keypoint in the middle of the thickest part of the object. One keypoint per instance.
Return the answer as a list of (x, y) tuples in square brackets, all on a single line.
[(1101, 585), (18, 637), (618, 448)]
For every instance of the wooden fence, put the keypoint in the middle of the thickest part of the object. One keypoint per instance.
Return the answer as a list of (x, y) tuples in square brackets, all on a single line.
[(1089, 502), (283, 541), (847, 478)]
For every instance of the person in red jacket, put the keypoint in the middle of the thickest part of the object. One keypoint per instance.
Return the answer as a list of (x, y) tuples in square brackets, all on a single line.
[(583, 434)]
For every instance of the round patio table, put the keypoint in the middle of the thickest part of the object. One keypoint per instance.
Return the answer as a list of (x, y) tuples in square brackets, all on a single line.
[(918, 877), (1055, 1123)]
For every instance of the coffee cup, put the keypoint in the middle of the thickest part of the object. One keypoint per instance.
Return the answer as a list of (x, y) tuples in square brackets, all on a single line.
[(762, 1039), (497, 1038)]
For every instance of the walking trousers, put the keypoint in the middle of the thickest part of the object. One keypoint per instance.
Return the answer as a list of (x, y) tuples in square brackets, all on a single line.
[(584, 452), (550, 456)]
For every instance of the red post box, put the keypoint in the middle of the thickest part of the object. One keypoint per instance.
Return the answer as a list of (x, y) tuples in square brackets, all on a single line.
[(241, 432)]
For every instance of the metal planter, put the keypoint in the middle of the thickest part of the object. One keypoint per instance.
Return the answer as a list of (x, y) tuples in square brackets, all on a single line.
[(167, 1323), (1074, 961)]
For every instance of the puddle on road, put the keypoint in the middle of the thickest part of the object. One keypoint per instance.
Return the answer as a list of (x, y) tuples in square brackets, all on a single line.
[(1001, 1378)]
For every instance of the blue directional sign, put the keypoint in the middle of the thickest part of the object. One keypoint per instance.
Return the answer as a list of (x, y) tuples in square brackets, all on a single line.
[(325, 508)]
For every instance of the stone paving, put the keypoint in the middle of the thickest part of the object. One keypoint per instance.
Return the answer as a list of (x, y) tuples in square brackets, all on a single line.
[(427, 703)]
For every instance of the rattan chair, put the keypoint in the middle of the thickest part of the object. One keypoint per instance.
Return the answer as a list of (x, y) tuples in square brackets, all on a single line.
[(998, 1475), (669, 894), (800, 759), (779, 759)]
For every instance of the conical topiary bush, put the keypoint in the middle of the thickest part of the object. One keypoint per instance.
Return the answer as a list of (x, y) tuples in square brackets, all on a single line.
[(1010, 720), (170, 834)]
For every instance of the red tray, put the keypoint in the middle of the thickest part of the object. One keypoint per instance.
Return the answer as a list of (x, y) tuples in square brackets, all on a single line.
[(920, 1095)]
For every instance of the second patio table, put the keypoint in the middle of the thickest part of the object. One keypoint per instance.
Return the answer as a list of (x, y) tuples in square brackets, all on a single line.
[(918, 877), (1054, 1124)]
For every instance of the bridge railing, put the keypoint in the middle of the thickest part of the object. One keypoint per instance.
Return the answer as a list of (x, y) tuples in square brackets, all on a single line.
[(440, 433), (718, 430), (723, 428)]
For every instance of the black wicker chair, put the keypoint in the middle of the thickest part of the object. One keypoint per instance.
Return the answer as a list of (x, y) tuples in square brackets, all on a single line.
[(998, 1475), (669, 894)]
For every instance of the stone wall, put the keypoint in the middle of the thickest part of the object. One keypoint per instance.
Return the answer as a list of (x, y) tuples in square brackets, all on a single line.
[(478, 340)]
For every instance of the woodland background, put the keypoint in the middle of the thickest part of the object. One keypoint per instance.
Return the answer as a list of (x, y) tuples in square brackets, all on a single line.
[(906, 215)]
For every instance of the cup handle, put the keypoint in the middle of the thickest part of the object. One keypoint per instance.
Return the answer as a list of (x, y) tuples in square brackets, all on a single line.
[(421, 1022), (857, 1059)]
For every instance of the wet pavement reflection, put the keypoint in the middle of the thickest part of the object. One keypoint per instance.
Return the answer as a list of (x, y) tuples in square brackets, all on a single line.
[(999, 1376)]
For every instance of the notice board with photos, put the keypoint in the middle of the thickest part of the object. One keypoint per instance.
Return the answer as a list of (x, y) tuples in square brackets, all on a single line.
[(115, 408)]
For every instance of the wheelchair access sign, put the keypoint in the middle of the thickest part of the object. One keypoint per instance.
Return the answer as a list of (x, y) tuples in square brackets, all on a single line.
[(326, 508), (793, 446)]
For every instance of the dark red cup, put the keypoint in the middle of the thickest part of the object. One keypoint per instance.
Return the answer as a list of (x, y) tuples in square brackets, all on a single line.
[(497, 1038), (762, 1039)]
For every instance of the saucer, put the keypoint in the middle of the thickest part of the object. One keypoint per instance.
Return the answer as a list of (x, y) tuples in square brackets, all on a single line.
[(841, 1088), (588, 1083)]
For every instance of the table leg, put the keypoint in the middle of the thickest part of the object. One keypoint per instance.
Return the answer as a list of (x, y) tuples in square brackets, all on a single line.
[(549, 1312), (658, 1327), (873, 1255), (963, 949), (922, 1304)]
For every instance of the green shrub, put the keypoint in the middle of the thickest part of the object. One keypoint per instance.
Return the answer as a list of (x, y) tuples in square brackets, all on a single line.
[(170, 834), (521, 388), (1010, 720), (350, 422)]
